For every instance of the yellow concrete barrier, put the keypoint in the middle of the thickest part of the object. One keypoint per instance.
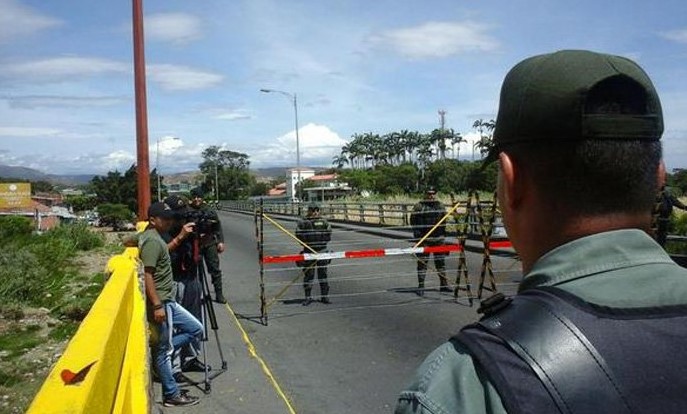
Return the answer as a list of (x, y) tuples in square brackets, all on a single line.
[(105, 368)]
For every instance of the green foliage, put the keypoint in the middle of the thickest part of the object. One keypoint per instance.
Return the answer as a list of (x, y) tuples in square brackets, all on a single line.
[(259, 189), (112, 214), (118, 188), (81, 203), (14, 227), (678, 180), (235, 181), (80, 235)]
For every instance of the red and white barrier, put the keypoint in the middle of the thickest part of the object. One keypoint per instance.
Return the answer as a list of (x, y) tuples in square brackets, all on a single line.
[(362, 254)]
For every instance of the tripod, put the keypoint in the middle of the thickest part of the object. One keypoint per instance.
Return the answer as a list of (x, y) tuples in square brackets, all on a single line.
[(207, 315)]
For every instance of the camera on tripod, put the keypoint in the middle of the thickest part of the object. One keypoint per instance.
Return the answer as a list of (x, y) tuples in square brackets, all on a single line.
[(203, 220)]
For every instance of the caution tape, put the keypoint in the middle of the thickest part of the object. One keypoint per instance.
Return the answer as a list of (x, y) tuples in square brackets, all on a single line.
[(500, 244), (362, 254)]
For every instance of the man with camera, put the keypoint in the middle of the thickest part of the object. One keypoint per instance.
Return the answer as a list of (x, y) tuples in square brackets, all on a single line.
[(315, 232), (209, 229), (175, 326)]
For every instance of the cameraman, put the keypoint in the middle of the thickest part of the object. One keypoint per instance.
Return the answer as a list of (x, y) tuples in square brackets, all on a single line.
[(185, 271), (211, 240)]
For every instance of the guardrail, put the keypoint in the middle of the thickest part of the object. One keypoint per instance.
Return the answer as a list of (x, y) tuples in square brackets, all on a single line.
[(105, 368), (375, 214)]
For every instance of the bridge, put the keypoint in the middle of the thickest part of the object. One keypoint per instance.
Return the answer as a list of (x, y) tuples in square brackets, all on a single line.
[(352, 356)]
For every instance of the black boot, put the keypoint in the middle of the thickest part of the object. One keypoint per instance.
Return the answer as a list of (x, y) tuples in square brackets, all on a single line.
[(443, 281), (219, 297), (308, 296), (324, 290), (420, 286)]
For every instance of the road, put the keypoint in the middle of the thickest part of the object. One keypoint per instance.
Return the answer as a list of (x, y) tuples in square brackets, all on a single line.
[(353, 356)]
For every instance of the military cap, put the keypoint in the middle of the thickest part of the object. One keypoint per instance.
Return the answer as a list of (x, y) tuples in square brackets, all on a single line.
[(197, 192), (544, 99)]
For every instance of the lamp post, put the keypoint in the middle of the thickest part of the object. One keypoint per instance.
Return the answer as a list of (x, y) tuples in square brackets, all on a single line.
[(293, 97), (143, 162), (157, 164)]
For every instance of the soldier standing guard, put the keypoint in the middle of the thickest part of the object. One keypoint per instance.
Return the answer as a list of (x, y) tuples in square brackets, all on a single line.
[(315, 232), (426, 214)]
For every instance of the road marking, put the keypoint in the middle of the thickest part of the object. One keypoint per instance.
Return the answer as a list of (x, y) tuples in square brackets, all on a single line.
[(265, 368)]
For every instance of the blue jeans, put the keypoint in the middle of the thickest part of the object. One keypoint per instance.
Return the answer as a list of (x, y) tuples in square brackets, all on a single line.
[(185, 329)]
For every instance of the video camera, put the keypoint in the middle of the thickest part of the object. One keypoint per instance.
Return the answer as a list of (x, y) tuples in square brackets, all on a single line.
[(204, 220)]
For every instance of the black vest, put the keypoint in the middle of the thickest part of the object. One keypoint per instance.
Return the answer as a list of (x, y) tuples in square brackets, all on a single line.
[(548, 351)]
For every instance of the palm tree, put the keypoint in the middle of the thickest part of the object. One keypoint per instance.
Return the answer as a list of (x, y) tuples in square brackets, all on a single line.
[(486, 132), (339, 161), (455, 139)]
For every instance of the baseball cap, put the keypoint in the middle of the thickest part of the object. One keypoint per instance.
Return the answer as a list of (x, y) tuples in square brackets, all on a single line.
[(160, 210), (197, 192), (431, 190), (175, 202), (545, 99)]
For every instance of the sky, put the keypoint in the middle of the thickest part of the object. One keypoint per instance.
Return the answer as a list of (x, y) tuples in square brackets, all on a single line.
[(66, 77)]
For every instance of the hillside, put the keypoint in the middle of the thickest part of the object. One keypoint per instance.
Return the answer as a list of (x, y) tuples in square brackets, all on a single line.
[(24, 173)]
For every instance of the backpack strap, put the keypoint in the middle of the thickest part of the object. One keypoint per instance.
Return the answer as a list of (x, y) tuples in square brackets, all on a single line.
[(560, 355)]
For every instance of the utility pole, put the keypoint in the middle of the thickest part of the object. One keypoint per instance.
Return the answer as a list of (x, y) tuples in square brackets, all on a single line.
[(442, 123), (143, 161)]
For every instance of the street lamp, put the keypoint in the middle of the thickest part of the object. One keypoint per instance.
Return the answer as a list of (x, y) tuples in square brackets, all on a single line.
[(294, 99), (157, 164)]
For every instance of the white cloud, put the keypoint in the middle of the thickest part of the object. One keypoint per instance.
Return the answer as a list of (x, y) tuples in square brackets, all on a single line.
[(176, 28), (59, 68), (182, 78), (17, 20), (318, 145), (47, 101), (233, 115), (27, 132), (438, 39), (679, 36)]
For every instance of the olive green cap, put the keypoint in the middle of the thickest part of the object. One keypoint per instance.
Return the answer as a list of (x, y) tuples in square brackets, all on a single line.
[(544, 99)]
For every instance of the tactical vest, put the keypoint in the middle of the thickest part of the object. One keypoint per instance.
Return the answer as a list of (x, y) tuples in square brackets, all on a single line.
[(548, 351), (424, 216), (315, 233)]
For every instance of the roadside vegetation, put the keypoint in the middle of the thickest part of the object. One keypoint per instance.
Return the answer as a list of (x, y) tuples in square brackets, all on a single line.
[(48, 283)]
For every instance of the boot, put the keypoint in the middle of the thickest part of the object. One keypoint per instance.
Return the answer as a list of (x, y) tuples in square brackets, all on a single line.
[(443, 282), (219, 297), (324, 290), (308, 296), (420, 286)]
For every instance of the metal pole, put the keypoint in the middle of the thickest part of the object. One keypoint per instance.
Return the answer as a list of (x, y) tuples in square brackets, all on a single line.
[(298, 149), (216, 184), (261, 255), (143, 161), (157, 170)]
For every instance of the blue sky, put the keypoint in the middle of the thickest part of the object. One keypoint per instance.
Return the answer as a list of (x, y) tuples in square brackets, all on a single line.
[(66, 85)]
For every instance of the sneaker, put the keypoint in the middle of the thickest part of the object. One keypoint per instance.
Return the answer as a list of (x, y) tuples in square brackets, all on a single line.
[(307, 301), (219, 298), (194, 365), (181, 400)]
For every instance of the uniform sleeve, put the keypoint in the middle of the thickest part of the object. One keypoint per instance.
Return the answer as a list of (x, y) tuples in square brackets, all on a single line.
[(448, 382), (149, 252), (217, 228)]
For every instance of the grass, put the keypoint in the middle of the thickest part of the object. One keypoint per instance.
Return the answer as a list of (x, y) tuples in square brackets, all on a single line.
[(61, 276)]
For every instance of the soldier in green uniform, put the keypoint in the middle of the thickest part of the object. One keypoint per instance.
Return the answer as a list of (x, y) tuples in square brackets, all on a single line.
[(664, 210), (426, 214), (577, 139), (316, 232), (211, 242)]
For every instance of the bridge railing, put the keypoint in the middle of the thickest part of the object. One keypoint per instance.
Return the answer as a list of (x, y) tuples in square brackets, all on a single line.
[(105, 368)]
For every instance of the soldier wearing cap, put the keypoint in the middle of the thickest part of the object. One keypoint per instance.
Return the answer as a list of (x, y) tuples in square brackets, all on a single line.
[(315, 232), (425, 216), (600, 319), (211, 243)]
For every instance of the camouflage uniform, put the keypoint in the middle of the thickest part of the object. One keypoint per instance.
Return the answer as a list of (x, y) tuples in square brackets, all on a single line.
[(426, 214), (316, 232)]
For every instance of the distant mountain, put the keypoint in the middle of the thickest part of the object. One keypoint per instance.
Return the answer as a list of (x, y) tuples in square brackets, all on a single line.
[(24, 173)]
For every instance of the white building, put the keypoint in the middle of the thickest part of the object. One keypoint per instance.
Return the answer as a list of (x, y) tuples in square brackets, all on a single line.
[(292, 177)]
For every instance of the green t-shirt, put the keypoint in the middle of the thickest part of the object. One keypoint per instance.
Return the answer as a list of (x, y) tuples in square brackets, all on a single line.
[(154, 253)]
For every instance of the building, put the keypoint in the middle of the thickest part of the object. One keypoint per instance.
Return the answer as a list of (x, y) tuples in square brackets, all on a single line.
[(324, 188), (292, 177)]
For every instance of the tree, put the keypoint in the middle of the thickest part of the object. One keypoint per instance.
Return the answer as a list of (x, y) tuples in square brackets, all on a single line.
[(81, 203), (234, 178), (118, 188), (260, 189), (486, 132), (339, 161), (113, 215)]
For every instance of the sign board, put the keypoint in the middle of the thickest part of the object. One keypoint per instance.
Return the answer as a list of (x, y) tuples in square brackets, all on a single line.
[(15, 195)]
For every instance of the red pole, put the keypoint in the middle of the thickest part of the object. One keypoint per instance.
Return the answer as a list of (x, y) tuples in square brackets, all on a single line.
[(143, 163)]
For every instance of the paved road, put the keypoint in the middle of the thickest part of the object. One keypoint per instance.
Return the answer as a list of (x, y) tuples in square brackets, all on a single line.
[(352, 356)]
